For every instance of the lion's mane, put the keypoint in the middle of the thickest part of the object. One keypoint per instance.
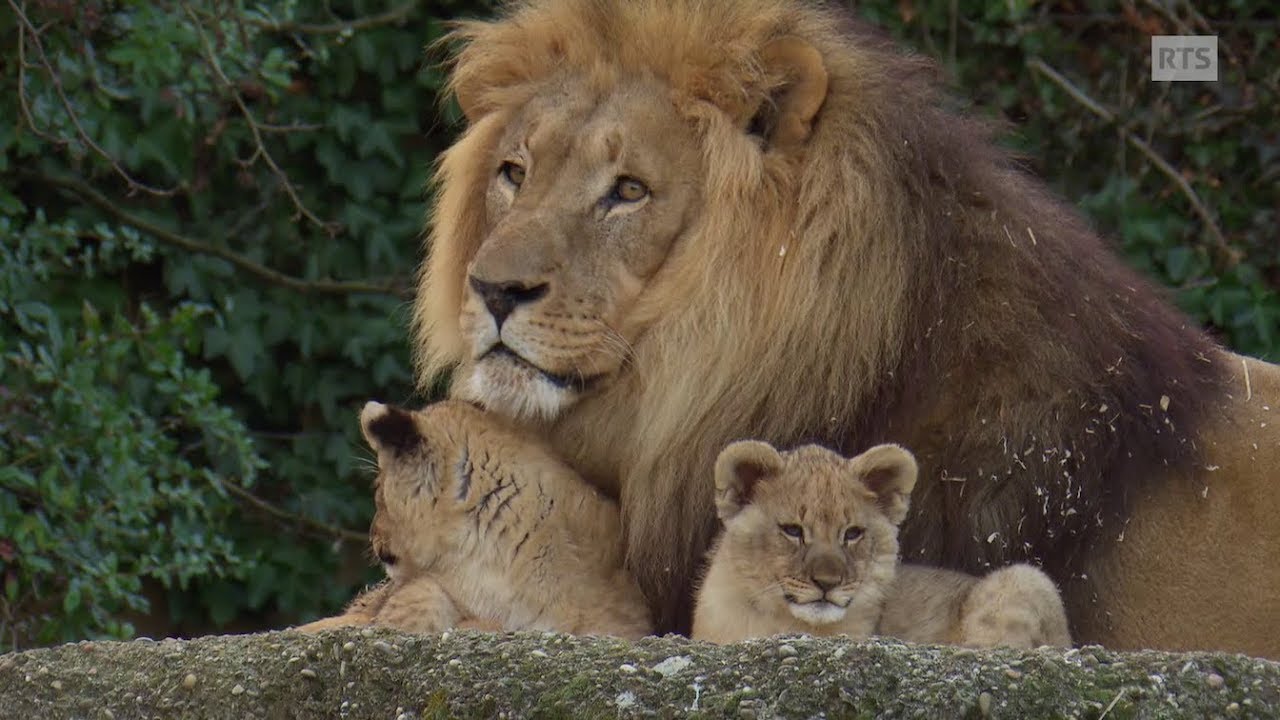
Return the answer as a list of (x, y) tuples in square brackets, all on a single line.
[(900, 280)]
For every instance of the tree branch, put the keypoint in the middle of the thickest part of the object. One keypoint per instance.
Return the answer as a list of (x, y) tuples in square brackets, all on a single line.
[(281, 514), (27, 29), (255, 127), (169, 237), (394, 16), (1231, 255)]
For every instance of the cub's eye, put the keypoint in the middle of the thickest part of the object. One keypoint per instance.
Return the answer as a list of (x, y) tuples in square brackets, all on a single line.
[(853, 534), (792, 531), (628, 190), (513, 172)]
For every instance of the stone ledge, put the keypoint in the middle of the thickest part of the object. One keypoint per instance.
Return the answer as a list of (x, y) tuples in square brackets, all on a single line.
[(353, 673)]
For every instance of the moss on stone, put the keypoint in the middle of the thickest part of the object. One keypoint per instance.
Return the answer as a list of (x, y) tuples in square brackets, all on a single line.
[(382, 674)]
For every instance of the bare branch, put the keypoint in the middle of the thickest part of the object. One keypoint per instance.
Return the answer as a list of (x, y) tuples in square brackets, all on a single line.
[(290, 128), (27, 29), (1184, 29), (255, 127), (1197, 205), (169, 237), (394, 16), (22, 91), (280, 514)]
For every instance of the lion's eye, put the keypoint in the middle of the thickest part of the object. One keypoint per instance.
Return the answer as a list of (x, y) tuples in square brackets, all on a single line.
[(513, 172), (853, 534), (792, 531), (628, 190)]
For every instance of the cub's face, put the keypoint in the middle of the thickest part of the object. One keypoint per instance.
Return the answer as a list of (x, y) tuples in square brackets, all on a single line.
[(451, 488), (809, 530), (587, 192), (424, 484)]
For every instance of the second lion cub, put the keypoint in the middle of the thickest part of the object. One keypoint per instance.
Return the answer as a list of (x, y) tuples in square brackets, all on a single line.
[(810, 546)]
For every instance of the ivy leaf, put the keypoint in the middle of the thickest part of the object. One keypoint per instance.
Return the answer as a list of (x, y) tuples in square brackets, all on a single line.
[(1178, 263)]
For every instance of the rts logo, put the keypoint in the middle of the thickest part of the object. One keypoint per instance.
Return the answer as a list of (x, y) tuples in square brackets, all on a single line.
[(1184, 57)]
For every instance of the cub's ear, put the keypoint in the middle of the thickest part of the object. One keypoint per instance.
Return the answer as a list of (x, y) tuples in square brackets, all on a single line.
[(785, 119), (890, 472), (386, 427), (740, 467)]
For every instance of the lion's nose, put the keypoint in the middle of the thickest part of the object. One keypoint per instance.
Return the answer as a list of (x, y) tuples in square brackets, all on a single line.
[(503, 297)]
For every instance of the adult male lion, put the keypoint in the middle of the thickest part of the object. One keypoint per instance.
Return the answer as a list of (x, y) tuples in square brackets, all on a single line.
[(675, 223)]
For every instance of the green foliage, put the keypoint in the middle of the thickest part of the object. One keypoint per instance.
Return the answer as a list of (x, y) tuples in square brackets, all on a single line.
[(113, 448), (254, 174), (210, 216), (1219, 137)]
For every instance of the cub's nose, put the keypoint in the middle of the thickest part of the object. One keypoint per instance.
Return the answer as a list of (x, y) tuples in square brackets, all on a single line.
[(826, 582), (501, 298)]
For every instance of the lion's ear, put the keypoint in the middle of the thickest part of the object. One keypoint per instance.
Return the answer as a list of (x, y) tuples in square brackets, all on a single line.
[(739, 469), (470, 101), (785, 119), (889, 472), (386, 427), (467, 104)]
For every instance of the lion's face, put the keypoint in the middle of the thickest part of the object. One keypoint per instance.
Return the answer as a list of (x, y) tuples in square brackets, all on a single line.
[(587, 195), (808, 529)]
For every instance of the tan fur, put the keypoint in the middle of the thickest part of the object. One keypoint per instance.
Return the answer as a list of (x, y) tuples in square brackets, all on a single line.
[(854, 267), (763, 582), (360, 611), (418, 604), (1195, 565), (480, 526)]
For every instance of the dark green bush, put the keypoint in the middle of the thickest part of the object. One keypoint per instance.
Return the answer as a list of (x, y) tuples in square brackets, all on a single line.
[(234, 197), (210, 215)]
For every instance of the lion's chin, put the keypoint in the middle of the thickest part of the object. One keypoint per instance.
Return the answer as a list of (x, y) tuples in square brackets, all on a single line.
[(516, 390), (819, 612)]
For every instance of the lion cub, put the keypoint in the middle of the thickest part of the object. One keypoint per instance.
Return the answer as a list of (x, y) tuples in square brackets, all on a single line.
[(479, 525), (810, 545)]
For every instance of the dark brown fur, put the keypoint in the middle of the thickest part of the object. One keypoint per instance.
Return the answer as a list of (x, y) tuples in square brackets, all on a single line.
[(1017, 347)]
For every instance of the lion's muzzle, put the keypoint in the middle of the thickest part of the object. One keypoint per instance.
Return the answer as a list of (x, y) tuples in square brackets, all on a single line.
[(501, 298)]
